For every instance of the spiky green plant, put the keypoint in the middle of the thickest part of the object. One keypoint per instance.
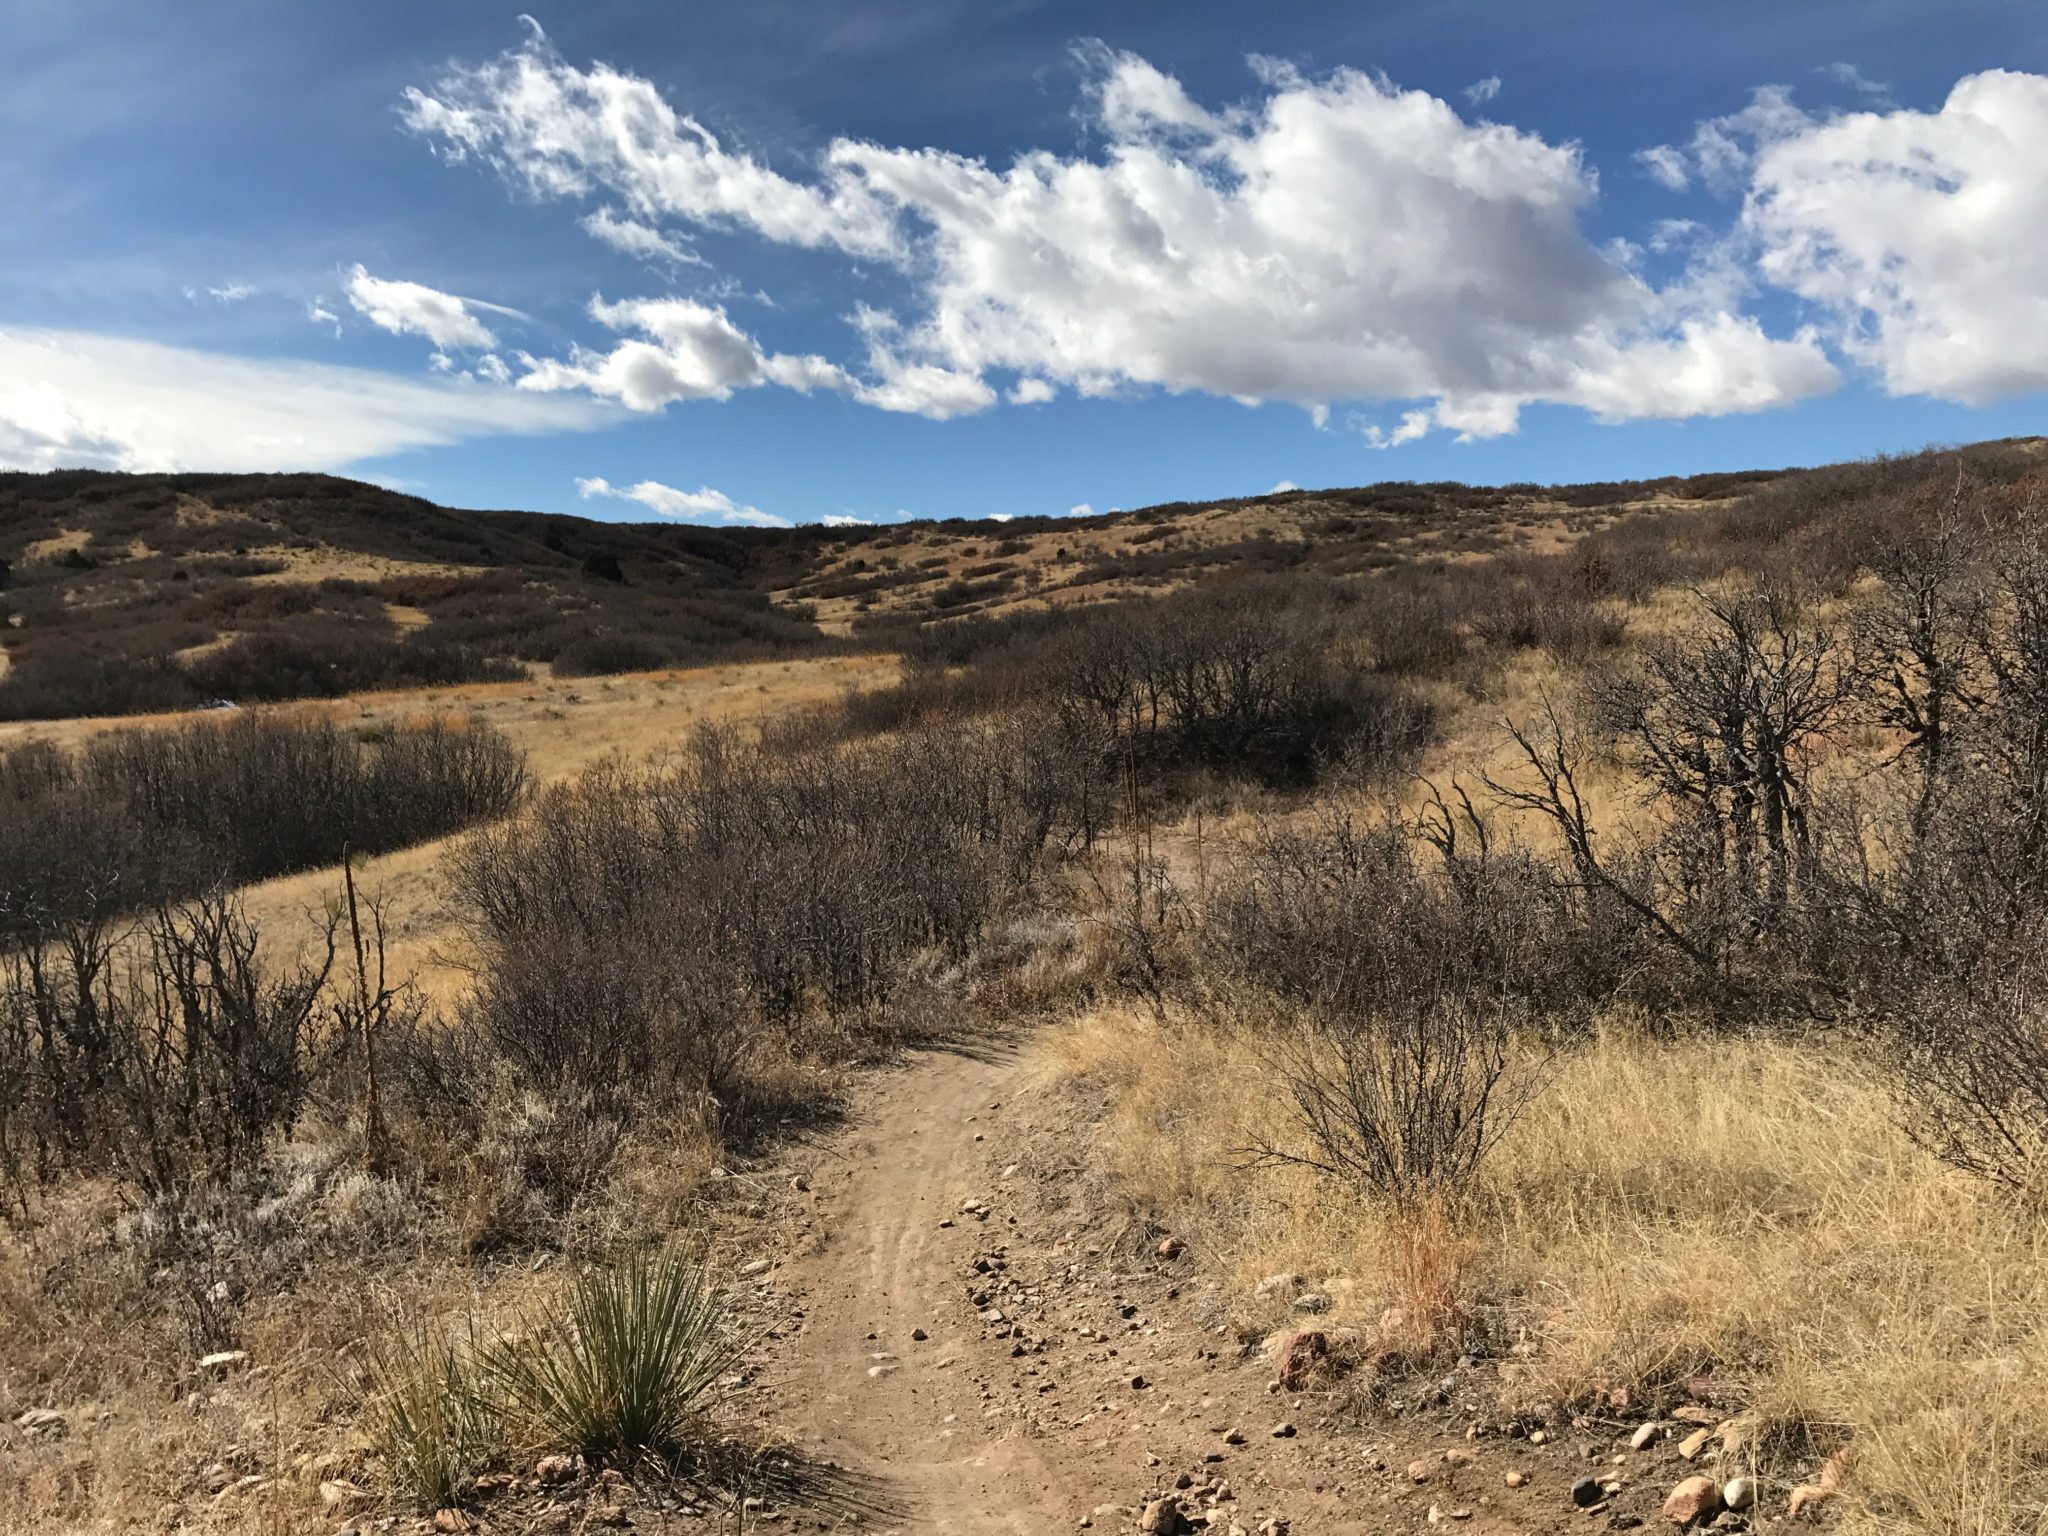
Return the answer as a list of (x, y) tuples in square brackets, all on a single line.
[(621, 1371), (431, 1414)]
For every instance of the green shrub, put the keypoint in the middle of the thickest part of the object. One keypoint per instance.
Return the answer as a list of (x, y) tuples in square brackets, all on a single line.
[(621, 1372), (432, 1415)]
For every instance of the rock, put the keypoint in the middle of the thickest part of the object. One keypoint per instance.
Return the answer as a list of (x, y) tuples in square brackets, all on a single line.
[(450, 1521), (1539, 1437), (1313, 1302), (223, 1361), (800, 1185), (918, 1336), (338, 1494), (552, 1471), (1170, 1248), (757, 1267), (1738, 1493), (1278, 1285), (1807, 1496), (1694, 1443), (1457, 1458), (1645, 1437), (1300, 1356), (1139, 1383), (1587, 1492), (41, 1421), (1517, 1479), (1697, 1498), (1233, 1437), (1283, 1431), (1161, 1518), (1418, 1471), (886, 1368)]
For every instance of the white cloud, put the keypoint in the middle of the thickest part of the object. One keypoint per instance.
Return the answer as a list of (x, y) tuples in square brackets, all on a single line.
[(413, 309), (1029, 391), (558, 131), (318, 312), (698, 506), (846, 520), (684, 350), (1665, 164), (1480, 92), (633, 238), (76, 399), (231, 293), (1854, 78), (1336, 239), (1080, 509), (1918, 233), (1280, 487), (1414, 425)]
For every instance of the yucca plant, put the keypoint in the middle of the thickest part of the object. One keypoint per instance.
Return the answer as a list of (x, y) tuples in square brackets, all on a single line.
[(621, 1371), (431, 1414)]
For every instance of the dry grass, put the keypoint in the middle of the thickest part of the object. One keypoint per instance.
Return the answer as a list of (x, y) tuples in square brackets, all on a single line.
[(1744, 1207)]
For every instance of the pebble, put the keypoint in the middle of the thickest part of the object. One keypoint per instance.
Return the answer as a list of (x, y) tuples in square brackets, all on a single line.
[(1645, 1437), (1738, 1493), (1587, 1492), (1517, 1479), (1283, 1431)]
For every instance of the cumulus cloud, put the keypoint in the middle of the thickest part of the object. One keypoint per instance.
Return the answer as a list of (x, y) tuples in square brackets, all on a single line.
[(1919, 233), (1666, 164), (1028, 391), (632, 238), (680, 349), (1080, 509), (1480, 92), (1281, 487), (413, 309), (1333, 239), (846, 520), (76, 399), (698, 506)]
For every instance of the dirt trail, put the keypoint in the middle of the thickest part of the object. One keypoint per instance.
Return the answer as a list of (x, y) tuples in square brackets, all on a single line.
[(1070, 1373), (873, 1396)]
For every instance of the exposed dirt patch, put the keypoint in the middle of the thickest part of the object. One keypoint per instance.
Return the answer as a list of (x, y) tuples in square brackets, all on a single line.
[(985, 1347)]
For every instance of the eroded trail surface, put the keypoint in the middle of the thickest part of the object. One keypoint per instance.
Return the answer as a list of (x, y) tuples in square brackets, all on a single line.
[(984, 1347)]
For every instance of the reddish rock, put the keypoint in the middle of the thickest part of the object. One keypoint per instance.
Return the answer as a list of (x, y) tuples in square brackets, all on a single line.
[(1300, 1356), (1695, 1499)]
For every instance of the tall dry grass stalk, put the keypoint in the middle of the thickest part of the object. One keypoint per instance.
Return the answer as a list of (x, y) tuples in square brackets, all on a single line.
[(1747, 1209)]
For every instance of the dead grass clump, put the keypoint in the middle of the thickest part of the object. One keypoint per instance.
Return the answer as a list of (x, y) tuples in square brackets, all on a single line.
[(1744, 1210)]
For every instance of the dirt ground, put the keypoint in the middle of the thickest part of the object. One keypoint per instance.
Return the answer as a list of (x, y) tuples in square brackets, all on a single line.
[(966, 1338)]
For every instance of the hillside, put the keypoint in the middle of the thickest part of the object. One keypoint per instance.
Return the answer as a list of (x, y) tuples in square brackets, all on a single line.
[(142, 593)]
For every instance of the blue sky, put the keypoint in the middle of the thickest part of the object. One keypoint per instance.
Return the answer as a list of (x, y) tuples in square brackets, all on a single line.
[(791, 261)]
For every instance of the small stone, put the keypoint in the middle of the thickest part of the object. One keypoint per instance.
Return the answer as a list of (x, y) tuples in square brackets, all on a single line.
[(1587, 1492), (1645, 1437), (1170, 1248), (1283, 1431), (1418, 1471), (1139, 1383), (223, 1361), (1300, 1356), (886, 1368), (1694, 1443), (1161, 1518), (450, 1521), (1233, 1437), (757, 1267), (551, 1471), (1806, 1496), (335, 1493), (1313, 1302), (1738, 1493), (1539, 1437), (1517, 1479), (1697, 1498), (918, 1335), (1457, 1458), (800, 1184)]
